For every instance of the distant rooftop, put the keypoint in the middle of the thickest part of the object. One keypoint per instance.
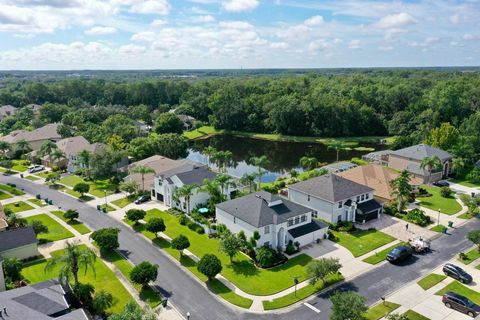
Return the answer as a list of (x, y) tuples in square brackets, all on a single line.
[(421, 151)]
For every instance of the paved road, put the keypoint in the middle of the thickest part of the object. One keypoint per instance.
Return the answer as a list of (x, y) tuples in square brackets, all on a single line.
[(189, 295)]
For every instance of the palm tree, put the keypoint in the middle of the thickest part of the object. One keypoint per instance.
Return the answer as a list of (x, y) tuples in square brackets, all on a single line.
[(70, 262), (47, 148), (308, 163), (431, 163), (401, 188), (209, 152), (260, 163), (222, 159), (142, 170), (4, 148), (102, 301), (185, 192), (249, 179), (224, 181), (337, 146), (84, 159), (23, 146), (58, 155), (458, 164), (212, 188)]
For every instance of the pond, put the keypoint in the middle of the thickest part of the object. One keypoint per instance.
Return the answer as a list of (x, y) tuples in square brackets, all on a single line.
[(283, 156)]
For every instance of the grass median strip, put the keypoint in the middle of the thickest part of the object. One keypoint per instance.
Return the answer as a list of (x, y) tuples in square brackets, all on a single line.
[(381, 310), (11, 190), (4, 195), (360, 242), (37, 202), (460, 289), (382, 255), (412, 315), (431, 280), (470, 256), (55, 230), (123, 202), (75, 224), (18, 206), (32, 178)]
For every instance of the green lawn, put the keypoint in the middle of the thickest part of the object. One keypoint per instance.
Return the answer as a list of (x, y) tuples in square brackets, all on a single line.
[(459, 288), (102, 279), (95, 186), (470, 256), (438, 228), (109, 208), (78, 195), (242, 272), (4, 195), (302, 293), (43, 174), (37, 202), (11, 190), (381, 310), (149, 295), (361, 242), (382, 255), (436, 201), (55, 230), (32, 178), (75, 224), (123, 202), (20, 165), (431, 280), (19, 206), (412, 315), (466, 216), (200, 132), (465, 183)]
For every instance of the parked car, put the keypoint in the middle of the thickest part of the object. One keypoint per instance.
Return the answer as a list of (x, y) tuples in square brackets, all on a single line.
[(456, 272), (463, 304), (441, 184), (398, 254), (142, 199), (35, 168)]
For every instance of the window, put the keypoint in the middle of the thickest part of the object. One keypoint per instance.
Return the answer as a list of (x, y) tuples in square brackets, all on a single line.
[(308, 197), (297, 220), (234, 219), (266, 230), (340, 204), (303, 218), (315, 214), (339, 218), (367, 196), (358, 198), (363, 197), (290, 222)]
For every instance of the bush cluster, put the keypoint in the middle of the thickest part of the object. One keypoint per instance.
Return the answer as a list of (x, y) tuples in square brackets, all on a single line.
[(418, 217)]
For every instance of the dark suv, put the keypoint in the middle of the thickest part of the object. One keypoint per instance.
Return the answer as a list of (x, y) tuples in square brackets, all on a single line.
[(458, 273), (400, 253), (460, 303)]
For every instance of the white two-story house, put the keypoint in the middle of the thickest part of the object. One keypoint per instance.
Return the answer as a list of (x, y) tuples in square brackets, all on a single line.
[(277, 220), (336, 199)]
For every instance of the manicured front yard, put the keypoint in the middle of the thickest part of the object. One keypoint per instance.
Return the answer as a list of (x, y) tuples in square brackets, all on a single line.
[(96, 187), (55, 230), (37, 202), (436, 201), (123, 202), (242, 272), (20, 165), (360, 242), (4, 195), (18, 206), (382, 255), (431, 280), (11, 190), (465, 183), (459, 288), (75, 224), (102, 279), (470, 256), (380, 310), (412, 315)]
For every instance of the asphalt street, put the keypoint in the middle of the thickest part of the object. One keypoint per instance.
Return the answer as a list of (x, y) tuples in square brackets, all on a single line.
[(190, 296)]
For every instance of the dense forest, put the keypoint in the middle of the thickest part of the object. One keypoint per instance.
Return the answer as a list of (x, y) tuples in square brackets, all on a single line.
[(409, 104)]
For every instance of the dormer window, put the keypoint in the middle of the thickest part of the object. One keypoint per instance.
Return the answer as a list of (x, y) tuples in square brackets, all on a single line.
[(363, 197), (367, 196), (358, 198)]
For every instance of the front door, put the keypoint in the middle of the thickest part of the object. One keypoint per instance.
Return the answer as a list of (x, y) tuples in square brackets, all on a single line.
[(281, 238)]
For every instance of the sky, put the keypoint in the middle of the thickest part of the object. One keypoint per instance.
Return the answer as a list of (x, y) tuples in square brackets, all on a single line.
[(218, 34)]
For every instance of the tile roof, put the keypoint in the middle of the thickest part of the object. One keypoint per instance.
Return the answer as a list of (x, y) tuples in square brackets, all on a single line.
[(17, 238), (330, 187), (421, 151), (47, 132), (255, 210)]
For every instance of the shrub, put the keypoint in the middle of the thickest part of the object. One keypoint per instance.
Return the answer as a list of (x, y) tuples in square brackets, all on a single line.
[(196, 227), (266, 257), (155, 225), (290, 248), (209, 265), (71, 214), (346, 226), (180, 243), (446, 192), (474, 175), (418, 217), (106, 238), (183, 219), (135, 215), (198, 218), (143, 273), (81, 188)]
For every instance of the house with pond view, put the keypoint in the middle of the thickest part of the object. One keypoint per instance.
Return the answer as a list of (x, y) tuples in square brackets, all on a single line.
[(277, 220)]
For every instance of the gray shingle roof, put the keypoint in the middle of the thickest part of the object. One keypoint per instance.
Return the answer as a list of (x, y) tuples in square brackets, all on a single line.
[(17, 238), (302, 230), (421, 151), (330, 187), (254, 209), (190, 173)]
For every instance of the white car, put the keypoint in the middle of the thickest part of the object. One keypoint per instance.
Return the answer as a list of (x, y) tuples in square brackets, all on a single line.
[(35, 168)]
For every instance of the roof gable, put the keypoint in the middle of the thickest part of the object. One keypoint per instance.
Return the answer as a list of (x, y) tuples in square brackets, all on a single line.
[(421, 151)]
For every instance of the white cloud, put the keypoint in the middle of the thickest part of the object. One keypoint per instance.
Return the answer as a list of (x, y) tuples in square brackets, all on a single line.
[(469, 36), (161, 7), (314, 21), (385, 48), (355, 44), (147, 36), (395, 21), (204, 19), (279, 45), (158, 23), (131, 49), (100, 31), (240, 5), (455, 18)]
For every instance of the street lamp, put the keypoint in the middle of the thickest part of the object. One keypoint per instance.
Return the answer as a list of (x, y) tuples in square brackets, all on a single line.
[(188, 315), (295, 281), (438, 220)]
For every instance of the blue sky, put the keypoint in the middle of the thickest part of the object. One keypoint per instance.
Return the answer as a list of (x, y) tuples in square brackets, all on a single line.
[(196, 34)]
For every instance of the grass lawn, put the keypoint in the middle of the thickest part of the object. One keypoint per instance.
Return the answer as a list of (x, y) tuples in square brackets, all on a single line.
[(466, 216), (19, 206), (109, 208), (438, 228), (55, 230), (148, 294), (20, 165), (43, 174), (431, 280), (302, 293), (412, 315), (4, 195), (436, 201), (123, 202), (32, 178), (380, 310), (78, 195), (37, 202), (242, 272), (470, 256), (382, 255), (95, 186), (465, 183), (11, 190), (361, 242), (459, 288), (102, 279), (200, 132), (75, 224)]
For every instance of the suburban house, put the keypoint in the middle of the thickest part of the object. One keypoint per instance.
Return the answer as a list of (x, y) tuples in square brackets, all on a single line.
[(411, 158), (18, 243), (187, 173), (276, 219), (378, 178), (339, 166), (188, 121), (41, 301), (6, 111), (378, 157), (36, 137), (335, 199)]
